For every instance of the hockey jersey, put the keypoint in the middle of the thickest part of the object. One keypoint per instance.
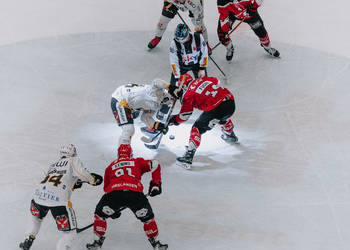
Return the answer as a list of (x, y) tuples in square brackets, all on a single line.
[(126, 174), (188, 54), (237, 8), (204, 94), (141, 96), (56, 188)]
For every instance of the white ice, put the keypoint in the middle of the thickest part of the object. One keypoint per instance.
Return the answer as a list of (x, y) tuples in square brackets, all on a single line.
[(284, 187)]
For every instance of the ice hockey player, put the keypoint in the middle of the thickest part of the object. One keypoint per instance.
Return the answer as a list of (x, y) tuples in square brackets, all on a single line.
[(130, 99), (54, 193), (231, 10), (188, 52), (170, 9), (217, 104), (123, 189)]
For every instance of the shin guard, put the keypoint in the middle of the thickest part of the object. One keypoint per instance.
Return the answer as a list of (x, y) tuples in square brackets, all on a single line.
[(151, 228), (100, 226), (195, 138)]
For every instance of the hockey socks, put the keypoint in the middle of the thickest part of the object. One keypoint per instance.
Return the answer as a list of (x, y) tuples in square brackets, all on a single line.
[(151, 229)]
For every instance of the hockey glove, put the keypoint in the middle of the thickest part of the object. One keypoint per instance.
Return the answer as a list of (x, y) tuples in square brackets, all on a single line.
[(253, 6), (161, 127), (98, 179), (155, 188), (172, 121), (78, 184), (175, 91)]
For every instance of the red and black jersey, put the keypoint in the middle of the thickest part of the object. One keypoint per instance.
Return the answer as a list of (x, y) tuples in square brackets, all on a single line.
[(204, 94), (126, 173)]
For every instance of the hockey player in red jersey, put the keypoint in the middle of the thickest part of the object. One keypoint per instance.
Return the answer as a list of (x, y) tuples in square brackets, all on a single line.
[(247, 10), (217, 104), (123, 189)]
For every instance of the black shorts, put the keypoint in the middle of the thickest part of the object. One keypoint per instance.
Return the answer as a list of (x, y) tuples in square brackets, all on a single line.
[(64, 215), (208, 119), (122, 115), (112, 203)]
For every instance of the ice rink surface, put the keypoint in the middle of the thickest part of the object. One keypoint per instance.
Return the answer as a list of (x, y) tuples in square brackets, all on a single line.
[(284, 187)]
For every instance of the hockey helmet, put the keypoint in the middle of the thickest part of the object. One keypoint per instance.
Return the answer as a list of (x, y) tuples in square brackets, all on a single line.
[(181, 32), (68, 151), (124, 151)]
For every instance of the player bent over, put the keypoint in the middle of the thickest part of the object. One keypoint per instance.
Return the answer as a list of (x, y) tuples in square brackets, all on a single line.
[(171, 8), (188, 52), (123, 187), (246, 10), (130, 99), (217, 104), (54, 193)]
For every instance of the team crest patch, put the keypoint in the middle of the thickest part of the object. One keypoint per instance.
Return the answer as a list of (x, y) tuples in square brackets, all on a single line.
[(141, 213)]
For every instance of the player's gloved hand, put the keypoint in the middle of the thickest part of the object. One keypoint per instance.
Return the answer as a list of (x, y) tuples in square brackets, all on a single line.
[(155, 188), (78, 184), (161, 127), (98, 179), (172, 121), (201, 73), (175, 91)]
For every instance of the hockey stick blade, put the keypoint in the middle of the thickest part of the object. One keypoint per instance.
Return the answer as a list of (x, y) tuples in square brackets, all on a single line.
[(156, 145), (147, 139)]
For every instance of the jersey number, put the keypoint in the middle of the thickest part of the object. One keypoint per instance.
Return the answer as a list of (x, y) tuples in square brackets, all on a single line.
[(121, 172), (214, 92), (55, 179)]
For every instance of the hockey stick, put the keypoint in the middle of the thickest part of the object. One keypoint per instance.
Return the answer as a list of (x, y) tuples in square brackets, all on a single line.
[(230, 32), (160, 134), (79, 230)]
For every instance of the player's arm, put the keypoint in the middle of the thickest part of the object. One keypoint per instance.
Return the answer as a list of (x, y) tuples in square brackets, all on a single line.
[(155, 185), (184, 114), (83, 174), (203, 63), (174, 60), (106, 178)]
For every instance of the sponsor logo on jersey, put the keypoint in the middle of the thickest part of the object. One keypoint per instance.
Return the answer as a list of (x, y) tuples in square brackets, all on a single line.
[(42, 195), (61, 163)]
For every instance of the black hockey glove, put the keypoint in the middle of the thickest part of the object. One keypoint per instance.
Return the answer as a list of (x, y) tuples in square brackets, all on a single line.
[(155, 188), (175, 91), (161, 127), (78, 184), (172, 121), (98, 179)]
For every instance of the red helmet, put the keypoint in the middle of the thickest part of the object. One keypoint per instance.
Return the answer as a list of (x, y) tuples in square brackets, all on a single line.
[(184, 80), (124, 151)]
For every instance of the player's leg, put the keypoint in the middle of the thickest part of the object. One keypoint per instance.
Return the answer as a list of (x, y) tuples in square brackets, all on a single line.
[(124, 118), (257, 25), (108, 207), (206, 121), (168, 13), (224, 38), (66, 223), (140, 206), (38, 213), (225, 110)]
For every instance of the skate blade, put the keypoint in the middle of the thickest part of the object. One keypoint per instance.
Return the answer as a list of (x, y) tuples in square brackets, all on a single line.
[(184, 165), (230, 140)]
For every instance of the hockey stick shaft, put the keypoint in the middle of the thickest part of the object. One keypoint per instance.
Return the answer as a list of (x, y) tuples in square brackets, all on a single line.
[(217, 66), (229, 33)]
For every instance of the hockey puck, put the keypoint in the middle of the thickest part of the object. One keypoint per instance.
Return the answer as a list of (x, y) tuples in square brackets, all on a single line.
[(171, 137)]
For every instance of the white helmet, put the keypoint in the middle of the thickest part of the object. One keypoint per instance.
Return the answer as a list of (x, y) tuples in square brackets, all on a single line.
[(68, 151)]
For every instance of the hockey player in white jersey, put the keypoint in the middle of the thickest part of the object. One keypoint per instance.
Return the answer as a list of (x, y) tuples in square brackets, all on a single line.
[(171, 8), (129, 100), (188, 52), (54, 194)]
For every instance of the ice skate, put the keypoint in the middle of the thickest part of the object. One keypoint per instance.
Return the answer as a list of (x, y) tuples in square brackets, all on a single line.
[(157, 245), (272, 51), (154, 42), (97, 244), (186, 160), (27, 243), (229, 51), (229, 137)]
